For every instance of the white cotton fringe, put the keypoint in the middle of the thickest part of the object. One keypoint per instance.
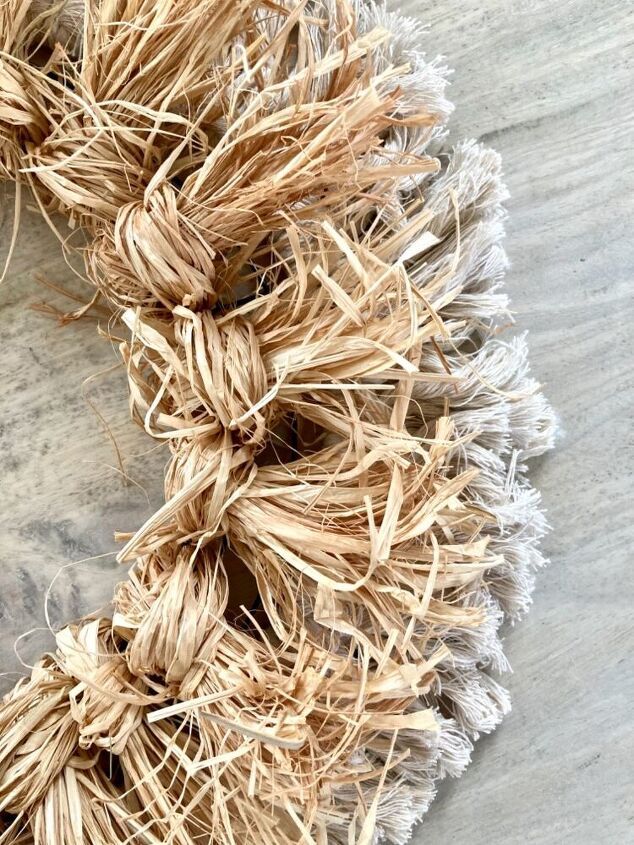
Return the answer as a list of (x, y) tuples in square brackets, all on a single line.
[(499, 405)]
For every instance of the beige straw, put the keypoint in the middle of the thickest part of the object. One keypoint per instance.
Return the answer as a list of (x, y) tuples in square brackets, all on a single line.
[(309, 300)]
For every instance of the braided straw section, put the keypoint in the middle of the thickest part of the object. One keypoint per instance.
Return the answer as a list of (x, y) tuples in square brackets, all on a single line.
[(311, 300)]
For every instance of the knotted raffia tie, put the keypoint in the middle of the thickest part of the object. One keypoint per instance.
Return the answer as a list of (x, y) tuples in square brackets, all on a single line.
[(303, 643)]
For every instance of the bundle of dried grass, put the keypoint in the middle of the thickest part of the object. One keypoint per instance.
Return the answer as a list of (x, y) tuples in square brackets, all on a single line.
[(312, 301)]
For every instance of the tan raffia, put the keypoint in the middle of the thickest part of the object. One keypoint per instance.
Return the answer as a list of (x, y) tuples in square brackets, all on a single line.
[(310, 301)]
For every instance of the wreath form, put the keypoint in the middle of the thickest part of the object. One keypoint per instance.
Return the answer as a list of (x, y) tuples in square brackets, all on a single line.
[(312, 286)]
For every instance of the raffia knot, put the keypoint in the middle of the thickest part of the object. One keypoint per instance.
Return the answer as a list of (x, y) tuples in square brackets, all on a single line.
[(21, 121), (243, 398), (172, 603), (152, 254), (199, 375)]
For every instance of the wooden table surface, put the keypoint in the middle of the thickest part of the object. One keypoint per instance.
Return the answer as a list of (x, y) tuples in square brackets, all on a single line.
[(550, 86)]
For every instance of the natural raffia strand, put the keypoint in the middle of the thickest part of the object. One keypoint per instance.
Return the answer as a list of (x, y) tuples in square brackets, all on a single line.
[(310, 287)]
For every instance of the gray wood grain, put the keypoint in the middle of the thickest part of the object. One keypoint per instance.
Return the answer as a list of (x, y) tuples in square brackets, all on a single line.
[(549, 85), (62, 492)]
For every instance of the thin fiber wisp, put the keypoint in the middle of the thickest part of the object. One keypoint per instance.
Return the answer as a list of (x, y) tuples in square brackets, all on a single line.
[(308, 290)]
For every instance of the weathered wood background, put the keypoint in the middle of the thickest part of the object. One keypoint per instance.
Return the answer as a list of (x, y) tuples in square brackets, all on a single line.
[(549, 85)]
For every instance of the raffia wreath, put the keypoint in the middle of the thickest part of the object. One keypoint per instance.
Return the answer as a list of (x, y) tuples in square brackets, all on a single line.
[(312, 290)]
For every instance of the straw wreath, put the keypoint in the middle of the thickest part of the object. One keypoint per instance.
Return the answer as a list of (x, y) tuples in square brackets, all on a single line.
[(307, 285)]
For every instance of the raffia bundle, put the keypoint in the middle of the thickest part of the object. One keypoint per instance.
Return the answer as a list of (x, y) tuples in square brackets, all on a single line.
[(312, 302)]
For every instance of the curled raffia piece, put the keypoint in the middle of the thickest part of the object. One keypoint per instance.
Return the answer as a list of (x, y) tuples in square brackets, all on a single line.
[(310, 302)]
